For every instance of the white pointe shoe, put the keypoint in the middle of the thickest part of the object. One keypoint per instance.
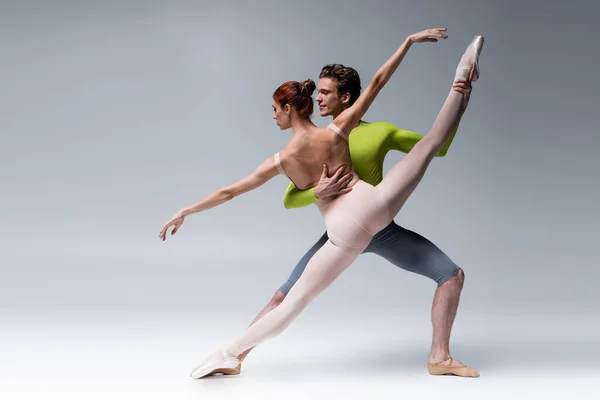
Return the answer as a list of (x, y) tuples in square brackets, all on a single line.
[(468, 67), (219, 361)]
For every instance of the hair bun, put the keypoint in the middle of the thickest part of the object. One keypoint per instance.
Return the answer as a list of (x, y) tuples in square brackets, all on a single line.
[(308, 87)]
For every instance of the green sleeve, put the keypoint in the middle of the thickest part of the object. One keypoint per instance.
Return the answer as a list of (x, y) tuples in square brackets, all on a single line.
[(403, 140), (294, 198)]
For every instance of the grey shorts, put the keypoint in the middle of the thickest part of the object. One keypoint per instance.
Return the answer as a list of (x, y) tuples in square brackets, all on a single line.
[(403, 248)]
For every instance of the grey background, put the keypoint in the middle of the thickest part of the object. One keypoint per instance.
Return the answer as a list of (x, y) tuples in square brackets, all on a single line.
[(114, 115)]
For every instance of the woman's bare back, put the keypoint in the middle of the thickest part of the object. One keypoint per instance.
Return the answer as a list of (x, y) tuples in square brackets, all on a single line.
[(304, 156)]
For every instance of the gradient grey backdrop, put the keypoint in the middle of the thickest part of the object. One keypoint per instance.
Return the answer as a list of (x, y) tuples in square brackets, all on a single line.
[(115, 114)]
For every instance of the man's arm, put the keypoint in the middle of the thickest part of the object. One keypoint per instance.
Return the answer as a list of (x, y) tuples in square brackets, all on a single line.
[(294, 198), (352, 115), (328, 186), (404, 140)]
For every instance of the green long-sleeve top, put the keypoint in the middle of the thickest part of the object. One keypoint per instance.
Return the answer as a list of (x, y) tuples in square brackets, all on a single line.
[(369, 144)]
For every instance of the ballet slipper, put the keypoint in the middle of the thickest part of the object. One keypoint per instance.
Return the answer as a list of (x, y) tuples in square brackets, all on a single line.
[(457, 370)]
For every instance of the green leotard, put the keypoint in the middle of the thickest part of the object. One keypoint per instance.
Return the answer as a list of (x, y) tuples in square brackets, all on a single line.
[(369, 144)]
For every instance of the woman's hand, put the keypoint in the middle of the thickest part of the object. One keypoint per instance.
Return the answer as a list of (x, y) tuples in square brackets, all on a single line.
[(428, 35), (176, 222)]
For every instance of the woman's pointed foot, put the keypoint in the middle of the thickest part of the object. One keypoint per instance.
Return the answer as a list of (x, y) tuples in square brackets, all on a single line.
[(219, 362), (468, 67)]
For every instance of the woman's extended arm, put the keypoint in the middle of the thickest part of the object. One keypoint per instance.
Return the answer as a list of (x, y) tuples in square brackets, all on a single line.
[(259, 177)]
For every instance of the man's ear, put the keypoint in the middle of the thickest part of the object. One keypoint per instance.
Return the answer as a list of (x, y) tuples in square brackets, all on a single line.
[(345, 98)]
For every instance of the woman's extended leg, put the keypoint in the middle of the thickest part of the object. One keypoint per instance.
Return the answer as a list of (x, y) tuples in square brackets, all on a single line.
[(323, 268), (402, 179)]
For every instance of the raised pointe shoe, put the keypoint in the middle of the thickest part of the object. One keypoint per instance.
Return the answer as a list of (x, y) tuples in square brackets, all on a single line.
[(457, 370), (218, 362), (468, 67)]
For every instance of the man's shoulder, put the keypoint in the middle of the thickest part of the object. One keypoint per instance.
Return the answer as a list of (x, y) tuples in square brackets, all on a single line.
[(383, 126)]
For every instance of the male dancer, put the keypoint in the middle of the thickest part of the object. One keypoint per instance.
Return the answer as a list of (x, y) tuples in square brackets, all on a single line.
[(338, 89)]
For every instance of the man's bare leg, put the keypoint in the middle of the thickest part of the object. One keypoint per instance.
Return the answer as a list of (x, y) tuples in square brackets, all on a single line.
[(443, 313)]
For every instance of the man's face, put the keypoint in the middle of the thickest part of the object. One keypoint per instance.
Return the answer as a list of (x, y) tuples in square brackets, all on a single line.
[(328, 99)]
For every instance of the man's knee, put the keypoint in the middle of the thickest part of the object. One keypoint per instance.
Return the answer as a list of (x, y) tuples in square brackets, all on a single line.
[(456, 281), (277, 298), (459, 278)]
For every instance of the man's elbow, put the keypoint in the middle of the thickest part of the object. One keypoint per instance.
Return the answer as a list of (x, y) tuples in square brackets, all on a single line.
[(287, 203), (377, 82)]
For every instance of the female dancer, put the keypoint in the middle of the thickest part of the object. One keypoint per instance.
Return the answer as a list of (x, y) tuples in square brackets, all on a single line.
[(353, 218)]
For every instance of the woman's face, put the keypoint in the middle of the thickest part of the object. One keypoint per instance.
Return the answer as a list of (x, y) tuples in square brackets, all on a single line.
[(281, 115)]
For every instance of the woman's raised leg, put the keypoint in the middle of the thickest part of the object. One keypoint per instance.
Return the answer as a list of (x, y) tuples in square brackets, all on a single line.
[(402, 179)]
